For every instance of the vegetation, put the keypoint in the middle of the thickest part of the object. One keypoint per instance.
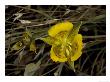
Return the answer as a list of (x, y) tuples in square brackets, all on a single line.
[(26, 54)]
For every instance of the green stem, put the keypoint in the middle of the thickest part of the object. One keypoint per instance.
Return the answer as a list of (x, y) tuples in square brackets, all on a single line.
[(71, 64)]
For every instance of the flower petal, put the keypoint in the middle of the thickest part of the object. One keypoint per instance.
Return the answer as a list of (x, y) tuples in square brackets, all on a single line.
[(55, 58), (64, 26), (78, 41)]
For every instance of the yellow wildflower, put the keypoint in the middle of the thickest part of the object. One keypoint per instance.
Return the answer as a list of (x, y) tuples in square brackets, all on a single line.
[(26, 40), (66, 42)]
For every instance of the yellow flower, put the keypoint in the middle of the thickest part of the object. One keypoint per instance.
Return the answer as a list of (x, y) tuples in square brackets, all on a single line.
[(66, 42), (26, 40), (70, 53)]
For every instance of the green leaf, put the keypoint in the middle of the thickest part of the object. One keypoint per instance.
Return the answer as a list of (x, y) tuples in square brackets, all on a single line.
[(32, 68), (17, 46), (75, 30), (76, 27), (48, 40), (71, 64), (32, 46), (28, 32), (27, 37)]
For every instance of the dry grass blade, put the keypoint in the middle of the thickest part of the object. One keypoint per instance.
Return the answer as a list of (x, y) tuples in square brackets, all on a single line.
[(94, 63), (38, 11)]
